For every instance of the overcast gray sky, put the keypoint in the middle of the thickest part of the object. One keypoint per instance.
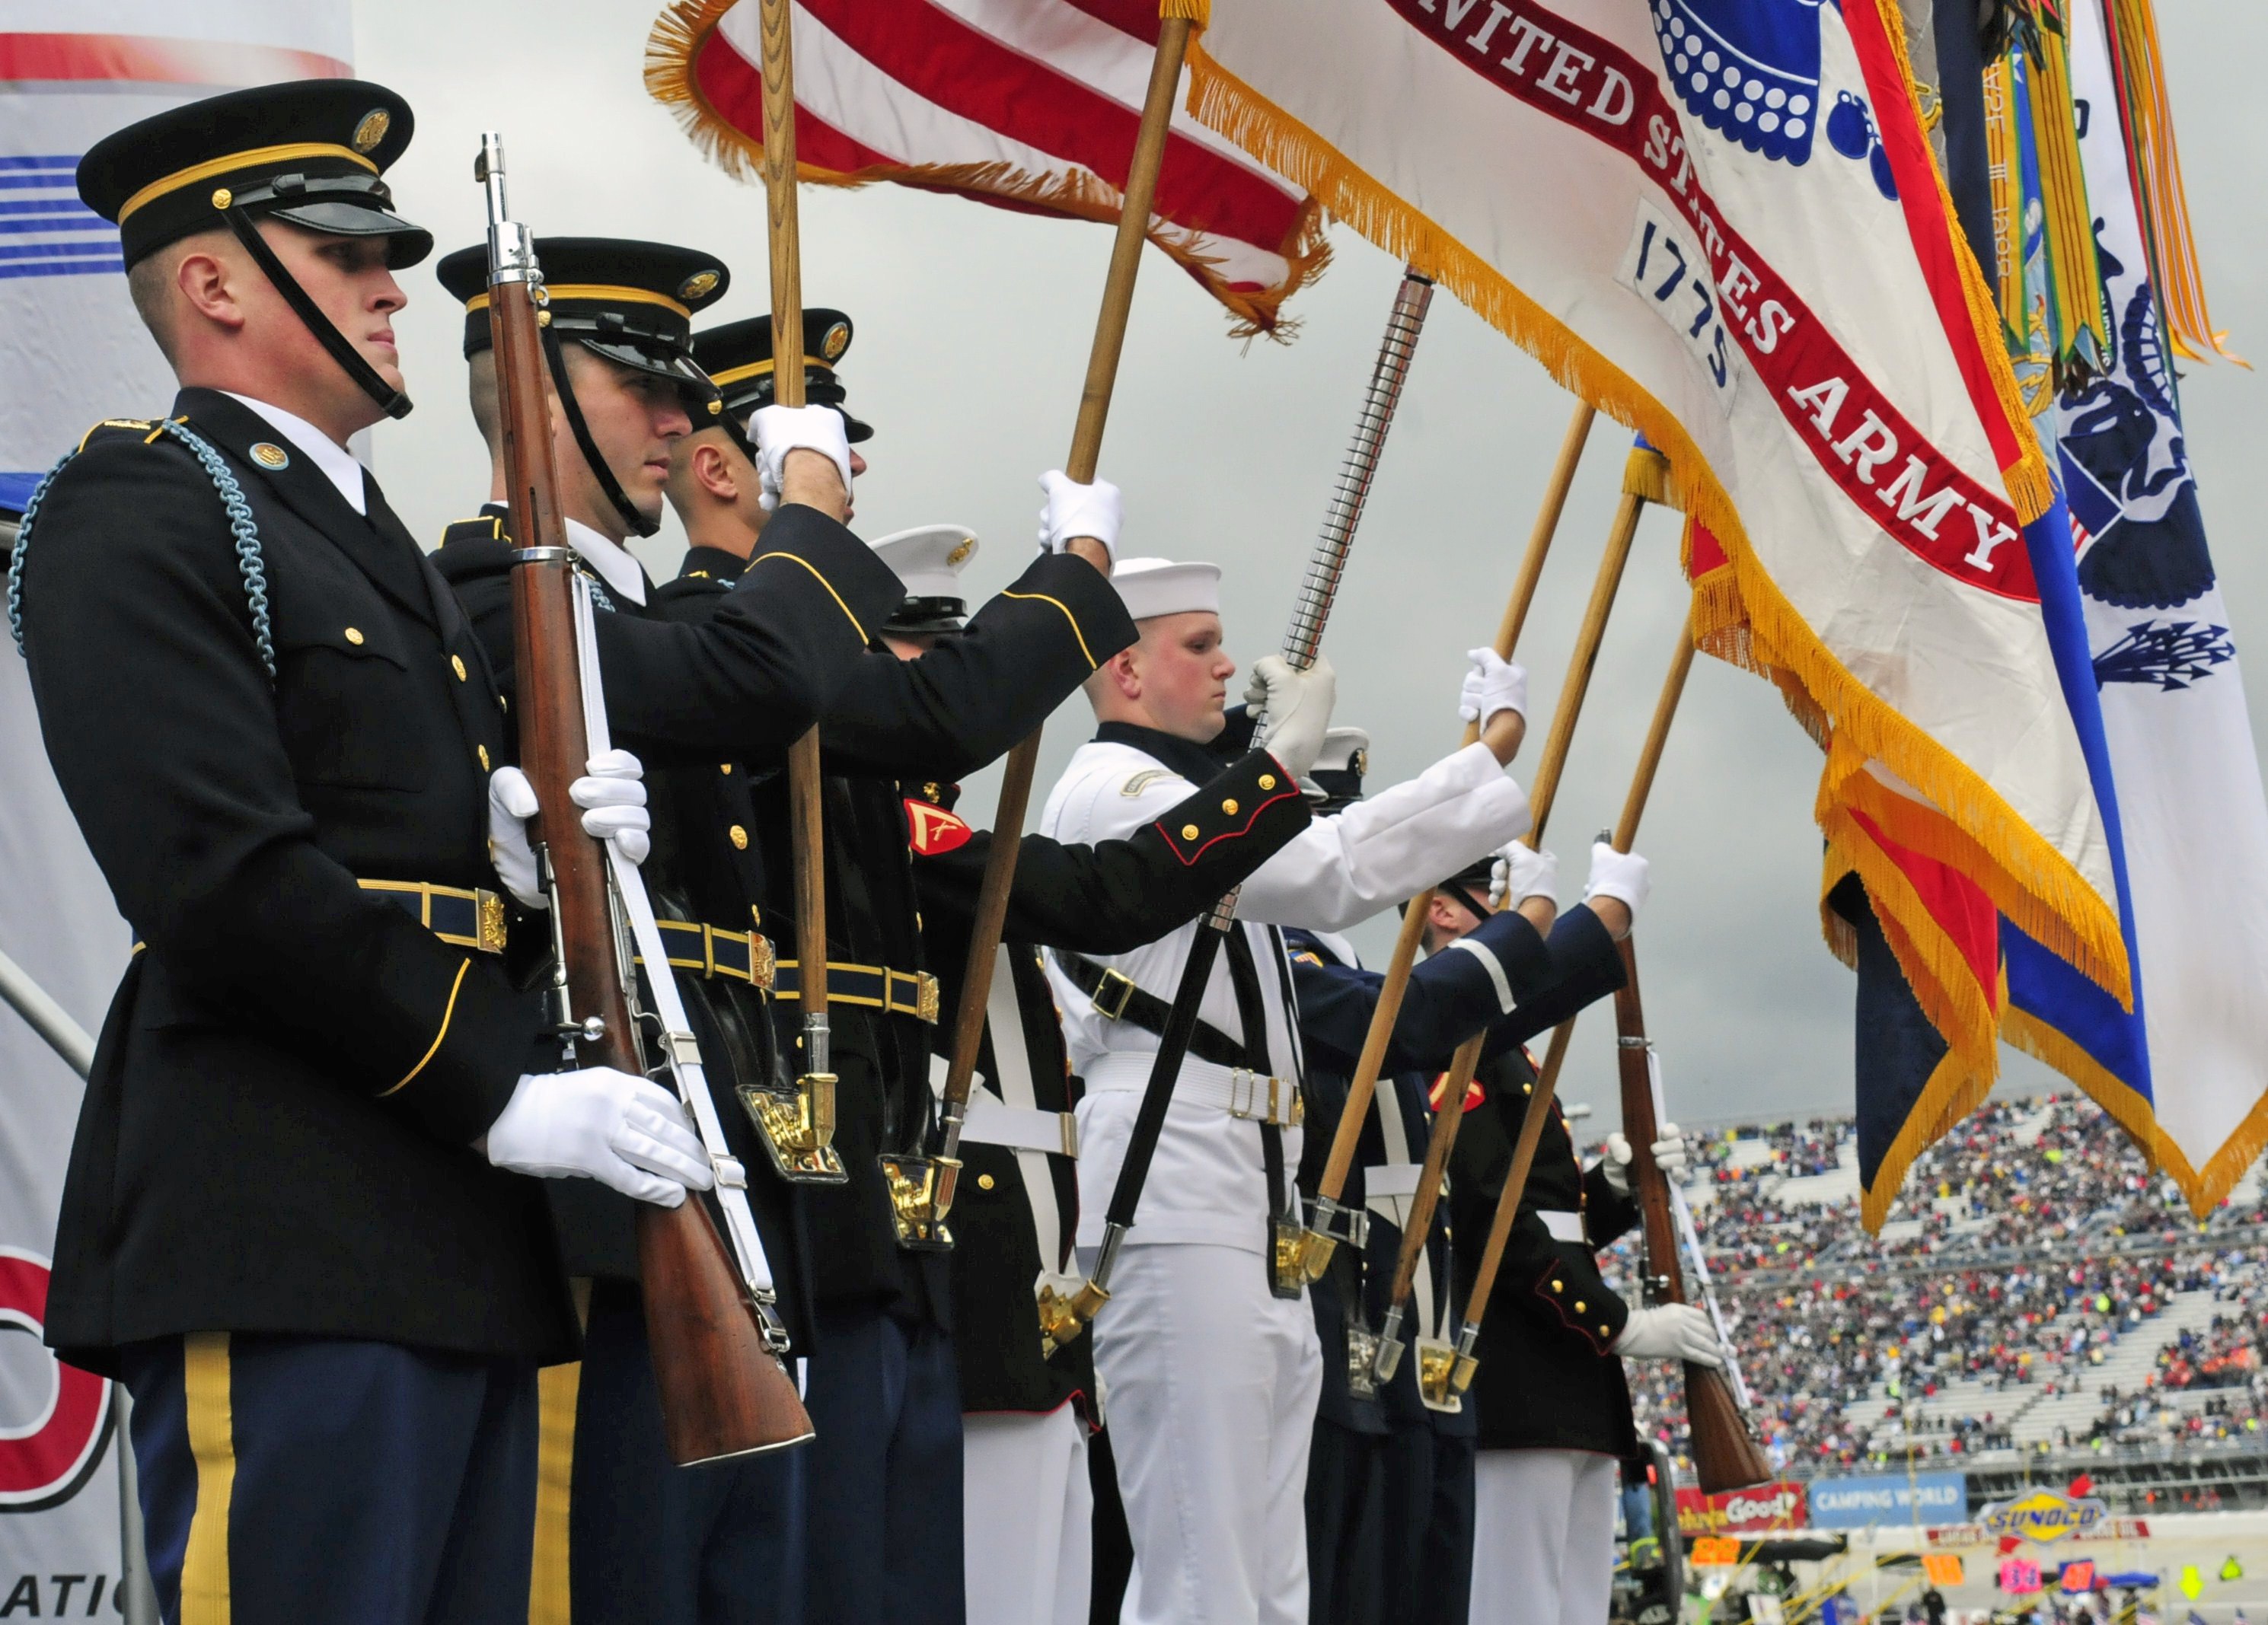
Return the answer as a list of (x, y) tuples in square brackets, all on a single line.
[(973, 329)]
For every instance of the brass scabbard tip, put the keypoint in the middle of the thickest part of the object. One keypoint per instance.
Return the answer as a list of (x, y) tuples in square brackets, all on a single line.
[(1461, 1374)]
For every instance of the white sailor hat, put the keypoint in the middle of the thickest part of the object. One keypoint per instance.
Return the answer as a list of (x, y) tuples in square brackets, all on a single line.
[(1339, 768), (1151, 587), (928, 559)]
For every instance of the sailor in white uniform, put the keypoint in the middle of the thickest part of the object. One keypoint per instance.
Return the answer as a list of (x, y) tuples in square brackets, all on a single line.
[(1209, 1360)]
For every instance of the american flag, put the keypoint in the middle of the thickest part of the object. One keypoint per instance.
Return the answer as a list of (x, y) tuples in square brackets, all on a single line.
[(1024, 104)]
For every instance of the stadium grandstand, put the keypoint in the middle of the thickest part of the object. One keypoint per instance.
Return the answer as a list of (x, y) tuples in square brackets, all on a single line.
[(2040, 1303)]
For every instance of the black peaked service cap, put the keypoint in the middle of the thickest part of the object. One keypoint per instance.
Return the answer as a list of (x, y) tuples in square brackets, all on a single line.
[(632, 302), (737, 356), (311, 152)]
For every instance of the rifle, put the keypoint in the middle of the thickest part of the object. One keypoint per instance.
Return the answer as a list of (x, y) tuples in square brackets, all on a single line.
[(722, 1389), (1438, 1361)]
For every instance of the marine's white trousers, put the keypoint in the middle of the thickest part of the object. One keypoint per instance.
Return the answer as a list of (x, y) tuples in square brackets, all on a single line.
[(1028, 1517), (1211, 1383), (1544, 1537)]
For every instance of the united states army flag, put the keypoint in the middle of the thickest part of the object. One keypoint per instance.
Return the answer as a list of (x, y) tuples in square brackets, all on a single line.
[(1718, 221)]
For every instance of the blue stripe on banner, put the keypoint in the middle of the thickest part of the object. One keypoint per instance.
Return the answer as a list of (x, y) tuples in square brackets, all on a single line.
[(16, 490), (63, 268), (48, 206), (2040, 984), (65, 161), (90, 229), (60, 251), (56, 181)]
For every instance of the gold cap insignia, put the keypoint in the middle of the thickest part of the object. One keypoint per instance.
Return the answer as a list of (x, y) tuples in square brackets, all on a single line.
[(959, 554), (835, 341), (1362, 764), (372, 128), (271, 456), (697, 285)]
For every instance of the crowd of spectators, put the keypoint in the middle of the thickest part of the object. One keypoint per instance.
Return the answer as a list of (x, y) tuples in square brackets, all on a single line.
[(2024, 1245)]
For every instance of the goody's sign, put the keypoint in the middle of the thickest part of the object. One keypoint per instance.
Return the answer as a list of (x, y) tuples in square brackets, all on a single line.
[(1764, 1509), (1930, 1498)]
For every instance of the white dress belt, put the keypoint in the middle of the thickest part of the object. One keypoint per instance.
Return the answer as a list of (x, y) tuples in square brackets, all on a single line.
[(1236, 1091), (990, 1122), (1392, 1179)]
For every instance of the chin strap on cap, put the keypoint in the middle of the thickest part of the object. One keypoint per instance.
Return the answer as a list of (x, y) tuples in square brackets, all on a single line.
[(390, 400), (639, 525)]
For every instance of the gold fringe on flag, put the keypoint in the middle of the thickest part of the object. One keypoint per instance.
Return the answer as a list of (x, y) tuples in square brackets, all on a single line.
[(672, 50), (2138, 61)]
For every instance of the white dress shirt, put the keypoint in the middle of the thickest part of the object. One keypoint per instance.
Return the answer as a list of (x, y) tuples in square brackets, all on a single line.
[(624, 575), (337, 463)]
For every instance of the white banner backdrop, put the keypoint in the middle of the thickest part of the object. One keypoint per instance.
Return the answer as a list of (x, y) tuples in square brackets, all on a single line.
[(72, 352)]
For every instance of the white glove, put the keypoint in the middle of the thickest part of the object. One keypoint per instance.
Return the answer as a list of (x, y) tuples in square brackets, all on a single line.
[(1669, 1156), (1298, 706), (1074, 510), (1494, 684), (1670, 1332), (1670, 1153), (604, 1125), (1521, 872), (613, 797), (778, 429), (1619, 875)]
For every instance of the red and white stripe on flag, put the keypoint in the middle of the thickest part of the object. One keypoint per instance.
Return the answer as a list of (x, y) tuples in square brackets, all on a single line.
[(1025, 104)]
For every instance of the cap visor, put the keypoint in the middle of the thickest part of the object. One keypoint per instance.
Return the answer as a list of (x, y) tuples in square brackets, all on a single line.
[(334, 217)]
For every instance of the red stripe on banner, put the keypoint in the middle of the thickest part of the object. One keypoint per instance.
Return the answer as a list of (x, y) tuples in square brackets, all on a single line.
[(1956, 905), (735, 87), (152, 60), (975, 77), (1928, 503), (1138, 18), (1928, 220)]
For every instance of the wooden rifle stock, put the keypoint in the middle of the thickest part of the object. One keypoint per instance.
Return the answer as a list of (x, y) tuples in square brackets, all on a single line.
[(723, 1392)]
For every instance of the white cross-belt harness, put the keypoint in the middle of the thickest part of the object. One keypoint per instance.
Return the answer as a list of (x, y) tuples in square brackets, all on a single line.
[(678, 1045)]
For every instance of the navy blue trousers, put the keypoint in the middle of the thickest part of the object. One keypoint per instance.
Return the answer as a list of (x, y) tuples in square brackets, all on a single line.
[(1346, 1515), (652, 1543), (885, 1471), (286, 1480), (1428, 1545)]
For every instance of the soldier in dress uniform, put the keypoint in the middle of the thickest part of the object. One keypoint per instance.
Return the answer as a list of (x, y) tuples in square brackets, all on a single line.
[(627, 1534), (1211, 1362), (1554, 1413), (1027, 1412), (886, 1514), (1390, 1499), (292, 1223)]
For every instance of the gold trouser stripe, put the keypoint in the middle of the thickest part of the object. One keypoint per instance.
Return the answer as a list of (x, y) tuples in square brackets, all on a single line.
[(447, 1015), (1067, 615), (824, 582), (212, 1443), (557, 1388)]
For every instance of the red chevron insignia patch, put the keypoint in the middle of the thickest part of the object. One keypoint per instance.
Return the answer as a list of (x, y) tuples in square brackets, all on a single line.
[(932, 830)]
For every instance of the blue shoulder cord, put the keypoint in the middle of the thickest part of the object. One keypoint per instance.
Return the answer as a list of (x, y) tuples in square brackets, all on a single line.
[(249, 557)]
